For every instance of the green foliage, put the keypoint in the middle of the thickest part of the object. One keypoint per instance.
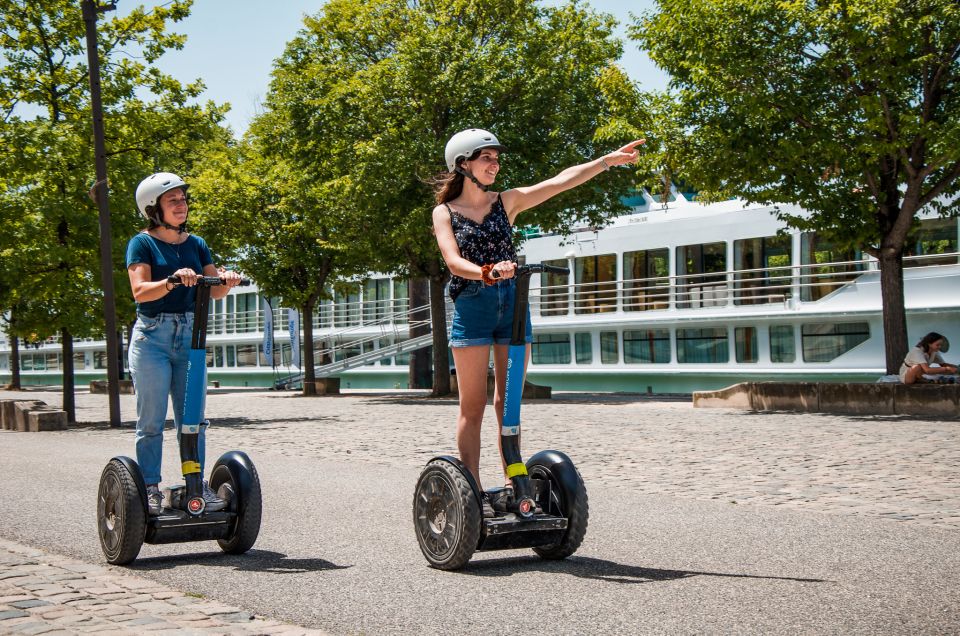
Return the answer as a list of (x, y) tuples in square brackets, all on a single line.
[(372, 90), (848, 109), (51, 225)]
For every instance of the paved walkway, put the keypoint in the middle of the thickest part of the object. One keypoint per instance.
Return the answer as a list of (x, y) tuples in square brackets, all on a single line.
[(896, 467), (42, 593)]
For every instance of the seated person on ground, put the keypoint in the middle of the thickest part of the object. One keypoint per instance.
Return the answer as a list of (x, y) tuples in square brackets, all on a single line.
[(918, 366)]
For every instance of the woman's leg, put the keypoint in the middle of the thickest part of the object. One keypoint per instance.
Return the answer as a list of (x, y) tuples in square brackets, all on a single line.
[(471, 364), (913, 374), (150, 369), (500, 355)]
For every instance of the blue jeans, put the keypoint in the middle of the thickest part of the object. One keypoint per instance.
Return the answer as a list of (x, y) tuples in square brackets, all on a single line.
[(483, 315), (159, 351)]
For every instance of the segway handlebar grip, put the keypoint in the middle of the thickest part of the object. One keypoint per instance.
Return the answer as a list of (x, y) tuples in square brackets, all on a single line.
[(525, 270), (208, 281)]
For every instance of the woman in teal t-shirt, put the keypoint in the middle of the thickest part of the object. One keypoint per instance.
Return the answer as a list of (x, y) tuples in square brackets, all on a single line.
[(160, 345)]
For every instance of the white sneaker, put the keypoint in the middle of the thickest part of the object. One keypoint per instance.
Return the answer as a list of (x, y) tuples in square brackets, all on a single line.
[(214, 503), (154, 500)]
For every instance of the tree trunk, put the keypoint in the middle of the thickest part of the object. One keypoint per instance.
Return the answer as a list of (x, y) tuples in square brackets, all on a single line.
[(69, 403), (14, 364), (438, 320), (894, 313), (309, 375), (419, 369)]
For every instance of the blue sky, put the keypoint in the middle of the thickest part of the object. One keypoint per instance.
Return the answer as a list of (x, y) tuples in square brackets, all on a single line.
[(231, 45)]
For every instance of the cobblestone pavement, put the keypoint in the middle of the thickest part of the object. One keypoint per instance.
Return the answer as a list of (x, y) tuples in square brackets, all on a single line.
[(42, 593), (902, 468)]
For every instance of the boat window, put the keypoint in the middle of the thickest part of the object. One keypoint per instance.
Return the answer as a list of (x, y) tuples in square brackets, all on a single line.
[(703, 345), (231, 355), (646, 282), (346, 350), (783, 348), (346, 306), (550, 348), (247, 315), (554, 290), (933, 237), (762, 270), (4, 362), (596, 284), (246, 355), (584, 346), (701, 275), (823, 342), (646, 346), (401, 300), (825, 266), (745, 343), (376, 299), (609, 351)]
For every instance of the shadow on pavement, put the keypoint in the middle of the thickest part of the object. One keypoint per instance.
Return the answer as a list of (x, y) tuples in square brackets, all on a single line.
[(252, 561), (601, 570)]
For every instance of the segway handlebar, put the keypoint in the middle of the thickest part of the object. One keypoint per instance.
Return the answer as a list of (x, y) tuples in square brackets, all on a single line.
[(527, 270), (207, 281)]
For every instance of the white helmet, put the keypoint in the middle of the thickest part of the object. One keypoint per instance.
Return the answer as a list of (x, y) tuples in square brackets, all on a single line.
[(466, 142), (150, 189)]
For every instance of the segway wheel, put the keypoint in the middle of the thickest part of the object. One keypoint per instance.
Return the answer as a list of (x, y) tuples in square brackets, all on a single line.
[(235, 477), (568, 498), (121, 515), (446, 516)]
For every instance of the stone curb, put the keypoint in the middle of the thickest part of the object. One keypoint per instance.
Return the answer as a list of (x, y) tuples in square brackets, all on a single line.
[(44, 593)]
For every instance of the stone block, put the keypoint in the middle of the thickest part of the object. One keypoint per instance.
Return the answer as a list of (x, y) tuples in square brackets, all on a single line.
[(931, 400), (784, 396), (46, 420), (8, 413), (856, 399), (536, 391), (100, 386), (327, 386), (22, 408), (736, 396)]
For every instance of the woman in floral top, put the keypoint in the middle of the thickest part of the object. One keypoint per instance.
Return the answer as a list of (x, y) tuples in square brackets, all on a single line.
[(473, 228)]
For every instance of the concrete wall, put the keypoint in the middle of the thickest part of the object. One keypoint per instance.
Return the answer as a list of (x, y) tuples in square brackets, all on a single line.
[(930, 400)]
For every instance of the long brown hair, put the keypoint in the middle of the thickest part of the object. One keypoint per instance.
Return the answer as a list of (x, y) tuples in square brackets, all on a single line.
[(447, 186), (928, 340)]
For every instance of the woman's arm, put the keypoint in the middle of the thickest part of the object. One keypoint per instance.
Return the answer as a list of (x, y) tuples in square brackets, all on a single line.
[(144, 289), (517, 200), (456, 263)]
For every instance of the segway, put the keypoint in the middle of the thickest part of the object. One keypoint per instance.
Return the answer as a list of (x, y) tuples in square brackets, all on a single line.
[(122, 514), (546, 508)]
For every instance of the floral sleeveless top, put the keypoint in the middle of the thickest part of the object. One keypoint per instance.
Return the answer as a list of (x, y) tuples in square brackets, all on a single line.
[(490, 241)]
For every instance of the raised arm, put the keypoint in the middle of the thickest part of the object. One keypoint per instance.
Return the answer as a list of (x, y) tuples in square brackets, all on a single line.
[(517, 200)]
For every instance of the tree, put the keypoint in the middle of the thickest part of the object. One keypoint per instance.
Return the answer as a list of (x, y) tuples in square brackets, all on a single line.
[(49, 159), (389, 81), (848, 109)]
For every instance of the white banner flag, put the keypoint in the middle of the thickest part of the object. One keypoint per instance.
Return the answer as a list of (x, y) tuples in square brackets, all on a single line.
[(268, 331), (293, 322)]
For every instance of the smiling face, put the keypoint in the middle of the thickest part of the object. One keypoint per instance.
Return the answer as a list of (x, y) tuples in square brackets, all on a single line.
[(485, 167), (935, 345), (173, 205)]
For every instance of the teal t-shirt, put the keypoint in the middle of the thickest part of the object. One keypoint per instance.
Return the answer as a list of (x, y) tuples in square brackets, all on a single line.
[(164, 259)]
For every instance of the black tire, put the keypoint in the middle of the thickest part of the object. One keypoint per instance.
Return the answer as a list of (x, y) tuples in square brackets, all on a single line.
[(446, 516), (568, 498), (235, 475), (121, 515)]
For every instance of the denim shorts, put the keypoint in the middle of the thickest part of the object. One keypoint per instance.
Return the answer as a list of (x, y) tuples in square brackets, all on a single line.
[(483, 315)]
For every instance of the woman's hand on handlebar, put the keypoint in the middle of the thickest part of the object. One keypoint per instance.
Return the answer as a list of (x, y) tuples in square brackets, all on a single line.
[(230, 279), (504, 270), (188, 277)]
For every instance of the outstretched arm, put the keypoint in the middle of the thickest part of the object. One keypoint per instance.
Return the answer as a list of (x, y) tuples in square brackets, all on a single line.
[(517, 200)]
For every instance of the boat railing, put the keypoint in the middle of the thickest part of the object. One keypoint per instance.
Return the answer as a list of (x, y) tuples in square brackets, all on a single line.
[(780, 284)]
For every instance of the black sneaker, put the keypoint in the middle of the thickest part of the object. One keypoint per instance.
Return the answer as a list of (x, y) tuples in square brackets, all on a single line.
[(487, 507)]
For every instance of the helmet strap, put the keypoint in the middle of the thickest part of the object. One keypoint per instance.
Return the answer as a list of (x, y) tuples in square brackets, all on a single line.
[(470, 176)]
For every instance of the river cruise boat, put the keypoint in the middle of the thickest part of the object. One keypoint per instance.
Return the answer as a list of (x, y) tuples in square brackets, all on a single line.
[(672, 297)]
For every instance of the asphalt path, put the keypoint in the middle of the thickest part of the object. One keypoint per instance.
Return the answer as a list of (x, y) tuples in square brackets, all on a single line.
[(337, 552)]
